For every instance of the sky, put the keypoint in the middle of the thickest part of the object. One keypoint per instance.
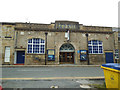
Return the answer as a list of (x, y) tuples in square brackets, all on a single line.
[(86, 12)]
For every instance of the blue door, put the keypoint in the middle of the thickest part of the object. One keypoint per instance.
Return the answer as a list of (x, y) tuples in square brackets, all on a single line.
[(109, 57), (20, 57)]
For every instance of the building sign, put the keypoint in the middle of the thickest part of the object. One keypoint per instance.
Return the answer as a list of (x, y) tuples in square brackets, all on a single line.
[(51, 54), (66, 25), (83, 54)]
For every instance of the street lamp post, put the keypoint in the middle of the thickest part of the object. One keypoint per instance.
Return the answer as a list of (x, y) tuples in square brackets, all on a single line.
[(45, 47), (87, 49)]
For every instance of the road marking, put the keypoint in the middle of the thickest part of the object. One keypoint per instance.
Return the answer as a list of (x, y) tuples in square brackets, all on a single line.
[(47, 78)]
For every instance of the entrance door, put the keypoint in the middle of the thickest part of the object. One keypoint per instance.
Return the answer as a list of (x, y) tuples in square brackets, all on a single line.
[(20, 57), (66, 57), (67, 53), (7, 54), (109, 57)]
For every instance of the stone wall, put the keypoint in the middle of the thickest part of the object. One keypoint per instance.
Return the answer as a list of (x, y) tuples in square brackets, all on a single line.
[(33, 26), (8, 40), (57, 39), (17, 40), (96, 28), (0, 44), (119, 51), (97, 59)]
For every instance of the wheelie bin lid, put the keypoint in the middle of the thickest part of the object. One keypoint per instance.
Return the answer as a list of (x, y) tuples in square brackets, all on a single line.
[(117, 67), (112, 65)]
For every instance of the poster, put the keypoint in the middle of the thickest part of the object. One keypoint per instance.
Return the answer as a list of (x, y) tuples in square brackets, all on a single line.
[(51, 54), (83, 54)]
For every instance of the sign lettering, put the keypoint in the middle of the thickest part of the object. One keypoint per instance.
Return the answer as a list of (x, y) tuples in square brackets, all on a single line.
[(66, 25)]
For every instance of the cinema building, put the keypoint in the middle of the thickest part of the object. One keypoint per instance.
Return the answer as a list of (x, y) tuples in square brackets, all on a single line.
[(61, 42)]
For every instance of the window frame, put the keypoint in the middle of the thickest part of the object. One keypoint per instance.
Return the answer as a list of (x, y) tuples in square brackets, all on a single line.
[(40, 47), (90, 44)]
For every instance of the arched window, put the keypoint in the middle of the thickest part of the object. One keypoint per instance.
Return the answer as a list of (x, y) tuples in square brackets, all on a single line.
[(95, 47), (36, 45), (67, 48)]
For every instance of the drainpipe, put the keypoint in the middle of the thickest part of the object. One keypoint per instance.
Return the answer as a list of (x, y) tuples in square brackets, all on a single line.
[(45, 47), (15, 45), (87, 49), (16, 39)]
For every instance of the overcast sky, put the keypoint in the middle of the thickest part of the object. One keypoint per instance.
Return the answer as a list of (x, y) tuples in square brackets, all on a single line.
[(87, 12)]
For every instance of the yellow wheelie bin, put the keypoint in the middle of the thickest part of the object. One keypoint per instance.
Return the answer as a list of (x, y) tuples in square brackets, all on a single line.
[(112, 75)]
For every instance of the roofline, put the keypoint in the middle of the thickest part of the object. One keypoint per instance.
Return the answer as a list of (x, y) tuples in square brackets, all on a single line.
[(98, 26), (56, 30), (14, 23), (7, 23)]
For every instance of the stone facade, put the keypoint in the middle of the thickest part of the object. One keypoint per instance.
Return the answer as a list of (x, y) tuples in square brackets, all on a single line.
[(7, 41), (119, 44), (119, 51), (16, 35), (0, 44)]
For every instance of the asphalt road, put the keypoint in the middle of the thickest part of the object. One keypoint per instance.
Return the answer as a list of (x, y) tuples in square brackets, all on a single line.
[(45, 77), (42, 72)]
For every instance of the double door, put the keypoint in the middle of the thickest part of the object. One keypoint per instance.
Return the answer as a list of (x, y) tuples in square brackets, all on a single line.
[(66, 57)]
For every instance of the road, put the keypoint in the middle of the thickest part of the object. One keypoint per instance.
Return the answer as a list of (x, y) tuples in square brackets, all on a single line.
[(42, 72), (44, 77)]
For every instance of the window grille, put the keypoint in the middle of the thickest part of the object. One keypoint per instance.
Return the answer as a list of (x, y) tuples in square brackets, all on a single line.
[(95, 47), (36, 45)]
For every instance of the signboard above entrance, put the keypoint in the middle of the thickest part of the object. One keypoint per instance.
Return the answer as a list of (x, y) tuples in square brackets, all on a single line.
[(66, 25)]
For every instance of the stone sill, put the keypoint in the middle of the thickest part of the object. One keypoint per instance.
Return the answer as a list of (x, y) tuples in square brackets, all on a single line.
[(34, 54)]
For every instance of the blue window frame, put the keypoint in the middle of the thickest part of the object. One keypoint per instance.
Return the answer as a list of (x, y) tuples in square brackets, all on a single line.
[(36, 45), (95, 47)]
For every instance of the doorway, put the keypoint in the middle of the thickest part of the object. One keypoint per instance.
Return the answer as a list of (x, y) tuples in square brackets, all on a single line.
[(67, 57), (20, 57), (66, 54), (109, 57)]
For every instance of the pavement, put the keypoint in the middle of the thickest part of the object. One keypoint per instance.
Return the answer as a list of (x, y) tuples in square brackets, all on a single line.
[(71, 83), (61, 65)]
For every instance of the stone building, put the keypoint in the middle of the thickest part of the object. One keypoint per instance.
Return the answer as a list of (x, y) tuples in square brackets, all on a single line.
[(61, 42), (119, 42)]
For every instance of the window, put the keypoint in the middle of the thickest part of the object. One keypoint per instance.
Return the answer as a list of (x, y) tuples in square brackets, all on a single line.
[(36, 45), (7, 37), (118, 37), (95, 47)]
